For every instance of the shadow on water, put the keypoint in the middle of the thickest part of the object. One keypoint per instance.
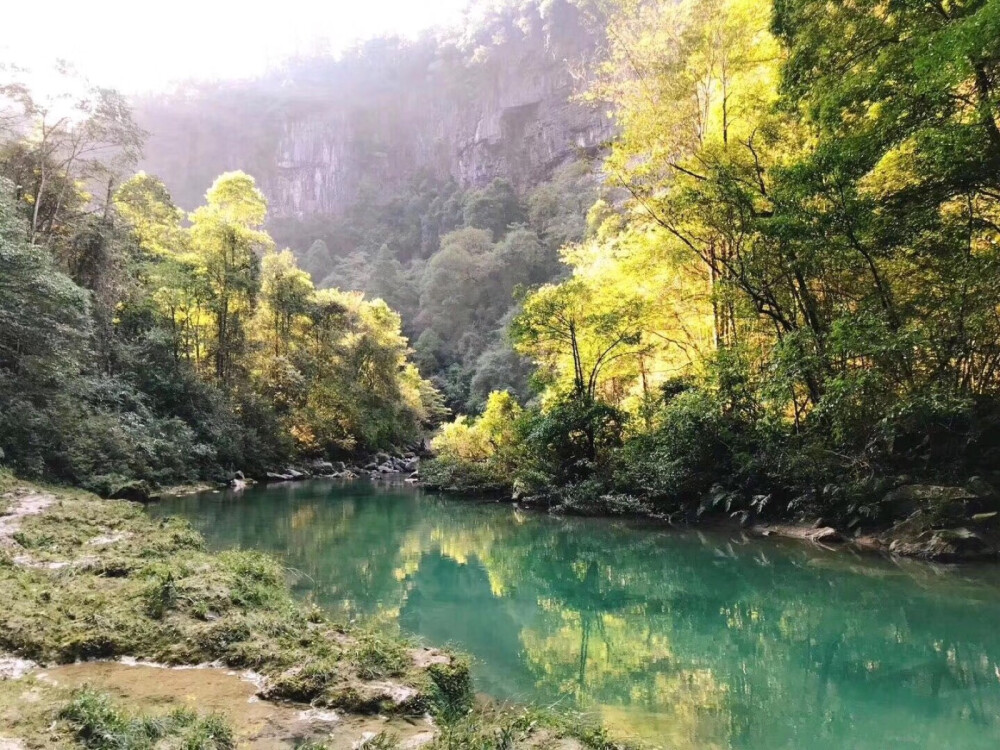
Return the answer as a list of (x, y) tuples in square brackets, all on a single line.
[(686, 639)]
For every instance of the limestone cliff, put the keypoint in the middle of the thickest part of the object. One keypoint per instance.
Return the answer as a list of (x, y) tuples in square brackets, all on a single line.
[(494, 101)]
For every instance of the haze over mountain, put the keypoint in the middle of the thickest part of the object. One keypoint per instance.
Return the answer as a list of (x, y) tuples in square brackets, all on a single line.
[(492, 101), (373, 161)]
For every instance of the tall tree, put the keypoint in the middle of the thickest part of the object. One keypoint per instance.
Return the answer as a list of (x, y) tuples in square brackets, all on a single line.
[(227, 235)]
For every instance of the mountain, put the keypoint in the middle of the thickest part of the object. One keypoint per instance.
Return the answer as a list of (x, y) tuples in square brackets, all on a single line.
[(495, 100)]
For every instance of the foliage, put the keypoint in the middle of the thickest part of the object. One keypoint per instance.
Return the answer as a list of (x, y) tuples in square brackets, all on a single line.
[(451, 261), (136, 351), (807, 247), (100, 725), (482, 453)]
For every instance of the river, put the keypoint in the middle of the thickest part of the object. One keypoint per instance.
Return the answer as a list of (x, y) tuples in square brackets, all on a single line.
[(685, 639)]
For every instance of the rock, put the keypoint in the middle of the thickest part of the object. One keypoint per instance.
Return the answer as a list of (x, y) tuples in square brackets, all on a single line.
[(136, 490), (239, 475), (275, 477), (980, 487), (825, 535), (518, 491), (944, 545), (983, 519), (322, 468)]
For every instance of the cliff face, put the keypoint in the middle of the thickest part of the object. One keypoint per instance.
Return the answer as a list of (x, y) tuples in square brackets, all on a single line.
[(497, 102)]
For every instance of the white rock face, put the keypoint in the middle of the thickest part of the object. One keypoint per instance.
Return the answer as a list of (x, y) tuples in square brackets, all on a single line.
[(499, 105)]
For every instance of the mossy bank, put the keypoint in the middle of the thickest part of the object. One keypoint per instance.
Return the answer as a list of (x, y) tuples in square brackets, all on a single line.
[(88, 580)]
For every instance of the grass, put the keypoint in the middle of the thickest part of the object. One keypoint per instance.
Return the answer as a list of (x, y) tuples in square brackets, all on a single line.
[(381, 741), (499, 727), (377, 657), (106, 581), (97, 723), (130, 586)]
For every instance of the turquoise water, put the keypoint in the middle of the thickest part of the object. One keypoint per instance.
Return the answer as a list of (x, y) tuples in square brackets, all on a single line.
[(684, 639)]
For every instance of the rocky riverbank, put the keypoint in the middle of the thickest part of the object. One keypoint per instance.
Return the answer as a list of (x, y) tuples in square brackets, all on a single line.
[(936, 523), (377, 465)]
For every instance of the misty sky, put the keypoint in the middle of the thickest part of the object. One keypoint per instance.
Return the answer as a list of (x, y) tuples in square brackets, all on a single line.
[(138, 45)]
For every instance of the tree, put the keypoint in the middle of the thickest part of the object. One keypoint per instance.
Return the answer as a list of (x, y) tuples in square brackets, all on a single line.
[(226, 235), (569, 327), (451, 288), (83, 136), (286, 294), (494, 208), (318, 260)]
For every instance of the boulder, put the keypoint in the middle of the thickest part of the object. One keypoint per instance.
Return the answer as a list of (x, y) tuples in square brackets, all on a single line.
[(944, 545), (980, 487), (825, 535), (938, 500), (136, 490), (322, 468)]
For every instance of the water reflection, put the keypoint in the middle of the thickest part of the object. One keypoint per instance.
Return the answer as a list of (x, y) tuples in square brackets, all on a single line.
[(684, 639)]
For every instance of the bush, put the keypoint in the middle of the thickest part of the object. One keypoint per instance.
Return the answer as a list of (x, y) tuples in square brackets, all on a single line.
[(480, 455), (571, 440), (100, 725)]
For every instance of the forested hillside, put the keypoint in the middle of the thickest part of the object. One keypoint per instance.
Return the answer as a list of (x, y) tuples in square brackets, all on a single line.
[(372, 161), (735, 255), (796, 304)]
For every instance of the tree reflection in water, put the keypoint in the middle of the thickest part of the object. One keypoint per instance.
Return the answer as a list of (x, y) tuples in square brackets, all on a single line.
[(683, 638)]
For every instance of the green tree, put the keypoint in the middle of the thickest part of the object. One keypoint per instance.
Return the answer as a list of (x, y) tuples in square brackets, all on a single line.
[(226, 233)]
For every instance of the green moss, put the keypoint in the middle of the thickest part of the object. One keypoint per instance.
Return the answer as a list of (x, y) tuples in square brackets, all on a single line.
[(105, 581)]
